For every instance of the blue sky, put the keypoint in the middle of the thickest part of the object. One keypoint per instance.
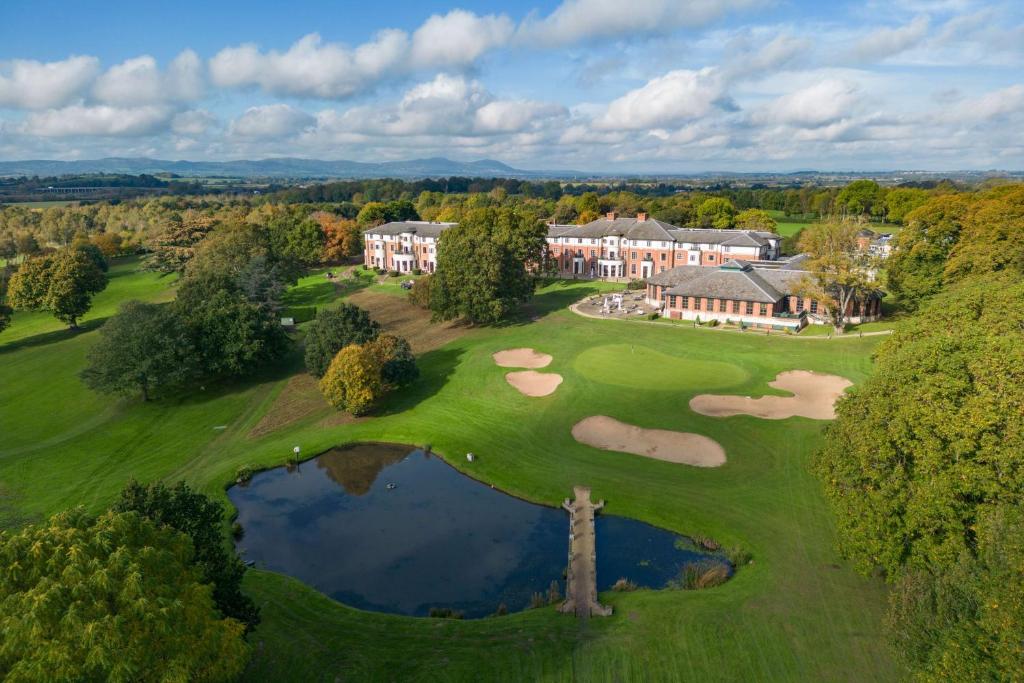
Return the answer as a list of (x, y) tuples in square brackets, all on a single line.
[(603, 85)]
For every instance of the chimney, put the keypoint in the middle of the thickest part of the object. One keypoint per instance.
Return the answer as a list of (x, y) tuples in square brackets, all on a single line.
[(612, 215), (641, 217)]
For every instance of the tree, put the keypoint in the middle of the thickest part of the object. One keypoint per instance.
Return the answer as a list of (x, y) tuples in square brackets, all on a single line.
[(859, 198), (716, 212), (63, 284), (109, 243), (232, 335), (993, 236), (176, 244), (755, 219), (419, 295), (361, 374), (343, 238), (353, 380), (5, 310), (202, 520), (916, 267), (924, 468), (109, 598), (372, 214), (839, 274), (145, 348), (903, 200), (483, 265), (334, 329), (92, 252)]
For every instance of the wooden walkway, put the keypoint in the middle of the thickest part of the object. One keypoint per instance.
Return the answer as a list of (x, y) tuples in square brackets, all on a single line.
[(581, 578)]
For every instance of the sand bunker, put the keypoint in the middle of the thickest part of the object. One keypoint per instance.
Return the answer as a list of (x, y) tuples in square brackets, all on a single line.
[(530, 383), (521, 358), (814, 396), (609, 434)]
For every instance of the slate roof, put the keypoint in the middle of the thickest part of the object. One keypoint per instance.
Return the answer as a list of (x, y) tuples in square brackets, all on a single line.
[(653, 229), (734, 280), (739, 238), (421, 228)]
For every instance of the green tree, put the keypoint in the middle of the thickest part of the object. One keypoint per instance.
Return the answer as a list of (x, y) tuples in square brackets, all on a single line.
[(755, 219), (92, 252), (145, 348), (5, 310), (63, 284), (398, 364), (483, 265), (859, 198), (839, 274), (372, 214), (202, 520), (915, 271), (716, 212), (901, 201), (992, 239), (334, 329), (113, 598)]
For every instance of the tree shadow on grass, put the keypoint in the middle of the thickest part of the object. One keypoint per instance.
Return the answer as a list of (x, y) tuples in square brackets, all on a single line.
[(561, 296), (435, 368), (53, 337)]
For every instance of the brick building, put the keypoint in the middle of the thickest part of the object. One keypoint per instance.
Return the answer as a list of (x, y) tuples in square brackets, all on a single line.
[(637, 248), (403, 246), (760, 295)]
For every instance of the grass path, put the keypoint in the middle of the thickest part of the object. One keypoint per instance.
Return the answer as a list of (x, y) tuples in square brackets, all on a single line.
[(797, 613)]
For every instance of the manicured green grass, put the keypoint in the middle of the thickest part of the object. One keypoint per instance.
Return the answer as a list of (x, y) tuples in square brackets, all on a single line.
[(640, 367), (797, 613)]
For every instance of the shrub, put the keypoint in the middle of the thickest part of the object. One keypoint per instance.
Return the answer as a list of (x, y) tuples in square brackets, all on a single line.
[(738, 555), (244, 473), (237, 531), (703, 574), (419, 295), (653, 316), (334, 329), (394, 273), (444, 613), (713, 322), (636, 284), (361, 374), (537, 600), (417, 271), (624, 585)]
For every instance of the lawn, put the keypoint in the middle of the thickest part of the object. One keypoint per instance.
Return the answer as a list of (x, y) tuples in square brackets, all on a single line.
[(797, 613)]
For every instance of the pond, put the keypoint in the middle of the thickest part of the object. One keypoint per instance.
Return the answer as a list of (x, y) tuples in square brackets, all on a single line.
[(392, 528)]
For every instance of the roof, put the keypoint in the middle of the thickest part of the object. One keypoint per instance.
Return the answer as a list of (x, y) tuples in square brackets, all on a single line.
[(736, 280), (653, 229), (421, 228)]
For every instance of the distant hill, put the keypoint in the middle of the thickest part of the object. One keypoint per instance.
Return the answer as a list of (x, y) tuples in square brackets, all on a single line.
[(285, 167)]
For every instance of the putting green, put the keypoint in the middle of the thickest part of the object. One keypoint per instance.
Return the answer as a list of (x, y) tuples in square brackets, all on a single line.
[(630, 365)]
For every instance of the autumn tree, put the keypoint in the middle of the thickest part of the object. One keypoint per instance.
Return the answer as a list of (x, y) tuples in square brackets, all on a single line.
[(175, 245), (755, 219), (63, 284), (839, 274), (334, 329), (361, 374), (343, 238), (992, 238), (419, 295), (111, 598), (109, 243), (143, 349), (483, 265), (200, 518)]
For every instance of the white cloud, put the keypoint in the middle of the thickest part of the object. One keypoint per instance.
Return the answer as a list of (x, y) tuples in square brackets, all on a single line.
[(271, 121), (458, 38), (996, 104), (667, 100), (817, 105), (139, 81), (101, 120), (510, 116), (886, 42), (576, 20), (28, 84)]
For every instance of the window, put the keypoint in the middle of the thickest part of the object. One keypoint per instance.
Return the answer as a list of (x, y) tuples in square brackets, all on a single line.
[(711, 304), (633, 255), (711, 257), (632, 269), (686, 302), (693, 258), (593, 252), (663, 256), (672, 301), (647, 257), (662, 269), (763, 310), (750, 308), (799, 304), (814, 306), (721, 305)]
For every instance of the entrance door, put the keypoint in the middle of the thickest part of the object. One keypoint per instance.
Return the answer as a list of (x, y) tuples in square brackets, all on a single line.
[(645, 269)]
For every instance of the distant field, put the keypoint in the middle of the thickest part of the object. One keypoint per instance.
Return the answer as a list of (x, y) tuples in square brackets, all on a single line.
[(42, 205)]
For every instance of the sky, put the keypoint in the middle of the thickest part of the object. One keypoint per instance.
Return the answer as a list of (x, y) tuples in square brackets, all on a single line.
[(590, 85)]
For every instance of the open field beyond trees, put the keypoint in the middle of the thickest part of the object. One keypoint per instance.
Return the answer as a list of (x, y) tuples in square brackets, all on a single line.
[(796, 613)]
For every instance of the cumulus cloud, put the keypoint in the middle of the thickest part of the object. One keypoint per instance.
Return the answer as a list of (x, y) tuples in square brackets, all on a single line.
[(458, 38), (886, 42), (28, 84), (665, 101), (577, 20), (100, 120), (140, 81), (271, 121), (817, 105)]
